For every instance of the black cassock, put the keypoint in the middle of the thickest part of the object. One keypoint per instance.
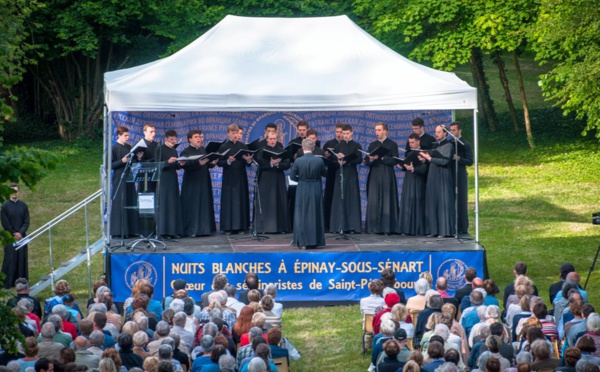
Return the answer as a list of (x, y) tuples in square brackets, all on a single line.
[(197, 206), (124, 216), (346, 216), (411, 220), (382, 190), (169, 205), (465, 159), (272, 215), (292, 188), (309, 228), (148, 156), (439, 198), (235, 207), (426, 142), (15, 218), (329, 182)]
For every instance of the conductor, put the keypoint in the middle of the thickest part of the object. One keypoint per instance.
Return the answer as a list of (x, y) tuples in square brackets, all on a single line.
[(309, 222)]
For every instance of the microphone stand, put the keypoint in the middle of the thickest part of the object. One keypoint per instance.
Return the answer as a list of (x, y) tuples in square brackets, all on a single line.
[(122, 211), (456, 142), (341, 235), (256, 202)]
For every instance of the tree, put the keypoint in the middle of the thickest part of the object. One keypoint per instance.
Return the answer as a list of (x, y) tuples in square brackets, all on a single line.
[(567, 33), (504, 26), (83, 39), (440, 31), (14, 46)]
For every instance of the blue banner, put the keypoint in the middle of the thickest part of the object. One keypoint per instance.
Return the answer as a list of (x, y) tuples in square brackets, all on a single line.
[(214, 126), (303, 276)]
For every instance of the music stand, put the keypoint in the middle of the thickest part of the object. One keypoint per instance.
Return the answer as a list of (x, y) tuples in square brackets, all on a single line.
[(144, 173)]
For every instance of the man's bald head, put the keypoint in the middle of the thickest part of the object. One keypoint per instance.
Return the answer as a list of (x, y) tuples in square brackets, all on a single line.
[(477, 283), (81, 343), (441, 283)]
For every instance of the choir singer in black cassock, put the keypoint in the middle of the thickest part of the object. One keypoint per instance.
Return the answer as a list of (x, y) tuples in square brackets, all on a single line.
[(15, 220), (427, 140), (197, 205), (312, 134), (148, 155), (345, 213), (235, 207), (465, 159), (124, 216), (439, 197), (382, 190), (309, 229), (271, 215), (169, 224), (411, 219), (331, 171)]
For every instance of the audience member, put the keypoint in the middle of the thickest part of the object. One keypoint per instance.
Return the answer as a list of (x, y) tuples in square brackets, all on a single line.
[(388, 277), (22, 288), (251, 281), (232, 302), (374, 302), (466, 289), (520, 269), (391, 299), (272, 319), (417, 303), (564, 270)]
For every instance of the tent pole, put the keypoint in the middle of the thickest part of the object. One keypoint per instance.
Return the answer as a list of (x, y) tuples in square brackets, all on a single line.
[(106, 176), (476, 158)]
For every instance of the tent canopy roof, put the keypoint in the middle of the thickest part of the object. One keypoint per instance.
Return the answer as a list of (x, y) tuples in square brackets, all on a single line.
[(285, 64)]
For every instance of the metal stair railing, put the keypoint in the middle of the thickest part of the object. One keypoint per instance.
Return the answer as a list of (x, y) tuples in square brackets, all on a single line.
[(84, 254)]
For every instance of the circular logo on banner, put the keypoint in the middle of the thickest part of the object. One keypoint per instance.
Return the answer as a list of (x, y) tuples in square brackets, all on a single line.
[(285, 122), (140, 270), (454, 272)]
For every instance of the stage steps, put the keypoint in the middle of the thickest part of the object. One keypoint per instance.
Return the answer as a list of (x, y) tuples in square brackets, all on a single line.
[(65, 267)]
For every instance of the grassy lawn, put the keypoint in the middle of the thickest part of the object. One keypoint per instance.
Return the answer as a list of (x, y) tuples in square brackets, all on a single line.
[(535, 206)]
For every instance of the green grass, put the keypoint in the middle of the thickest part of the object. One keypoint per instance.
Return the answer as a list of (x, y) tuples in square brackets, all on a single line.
[(535, 206)]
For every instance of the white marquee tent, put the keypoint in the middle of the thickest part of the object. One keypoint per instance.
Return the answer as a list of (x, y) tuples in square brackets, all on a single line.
[(287, 64)]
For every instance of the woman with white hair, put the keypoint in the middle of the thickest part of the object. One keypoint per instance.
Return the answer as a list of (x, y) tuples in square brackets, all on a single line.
[(593, 330), (450, 342), (416, 303)]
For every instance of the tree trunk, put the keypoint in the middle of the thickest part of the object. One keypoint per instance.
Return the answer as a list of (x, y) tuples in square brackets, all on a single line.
[(483, 90), (507, 95), (523, 100)]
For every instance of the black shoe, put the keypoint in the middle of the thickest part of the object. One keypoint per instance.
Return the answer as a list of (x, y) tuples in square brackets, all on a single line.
[(176, 236), (166, 237), (227, 232), (242, 232), (303, 247), (432, 236)]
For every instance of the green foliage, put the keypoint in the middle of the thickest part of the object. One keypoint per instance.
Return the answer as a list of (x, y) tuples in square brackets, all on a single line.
[(13, 46), (27, 127), (568, 33), (24, 166), (505, 25), (9, 330)]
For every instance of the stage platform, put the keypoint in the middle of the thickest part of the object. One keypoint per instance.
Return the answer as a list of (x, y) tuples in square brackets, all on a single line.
[(338, 271), (221, 243)]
